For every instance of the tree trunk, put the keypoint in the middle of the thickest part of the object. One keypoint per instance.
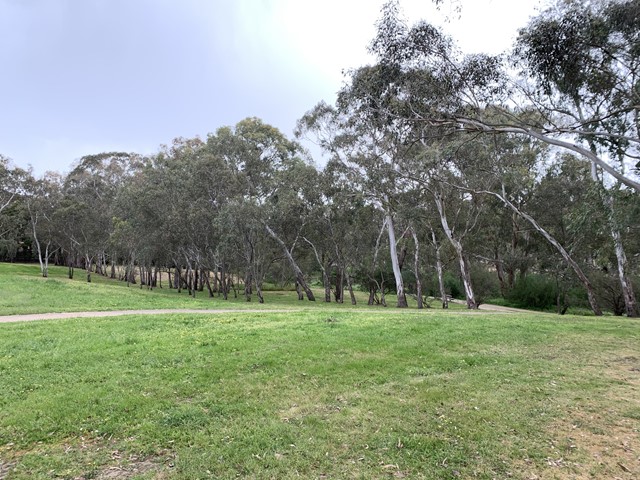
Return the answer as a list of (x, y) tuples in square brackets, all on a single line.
[(416, 269), (565, 255), (259, 292), (298, 273), (402, 298), (177, 279), (247, 285), (154, 279), (37, 242), (350, 288), (630, 303), (216, 281), (45, 272), (327, 283), (339, 292), (443, 291), (462, 261), (500, 272), (325, 276), (372, 295), (206, 280), (223, 282), (70, 262), (88, 262)]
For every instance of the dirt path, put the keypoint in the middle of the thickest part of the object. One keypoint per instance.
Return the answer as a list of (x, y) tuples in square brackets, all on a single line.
[(117, 313), (494, 308)]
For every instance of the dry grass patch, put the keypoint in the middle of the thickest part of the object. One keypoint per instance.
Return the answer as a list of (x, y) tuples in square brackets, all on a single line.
[(598, 437), (85, 458)]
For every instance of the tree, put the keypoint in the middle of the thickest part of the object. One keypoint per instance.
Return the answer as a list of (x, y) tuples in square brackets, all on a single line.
[(420, 82), (42, 198), (263, 160), (86, 207), (12, 215), (585, 67)]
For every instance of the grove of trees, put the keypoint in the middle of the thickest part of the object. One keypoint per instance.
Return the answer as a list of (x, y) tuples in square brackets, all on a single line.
[(473, 176)]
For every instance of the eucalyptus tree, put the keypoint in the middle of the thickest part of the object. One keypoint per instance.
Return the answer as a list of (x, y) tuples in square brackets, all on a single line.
[(586, 104), (369, 148), (263, 160), (503, 181), (141, 233), (9, 184), (585, 66), (185, 216), (343, 232), (86, 207), (42, 197), (12, 213)]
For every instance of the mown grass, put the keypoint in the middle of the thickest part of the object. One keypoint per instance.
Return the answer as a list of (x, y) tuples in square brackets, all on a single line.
[(23, 291), (325, 391), (311, 395)]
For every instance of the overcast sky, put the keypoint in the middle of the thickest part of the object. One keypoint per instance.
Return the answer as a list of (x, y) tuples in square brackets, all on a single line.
[(87, 76)]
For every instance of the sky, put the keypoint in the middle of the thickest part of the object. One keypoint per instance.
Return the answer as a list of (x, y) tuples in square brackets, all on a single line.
[(80, 77)]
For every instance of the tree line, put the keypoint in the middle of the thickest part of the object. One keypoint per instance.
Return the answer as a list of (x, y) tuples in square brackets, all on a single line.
[(476, 176)]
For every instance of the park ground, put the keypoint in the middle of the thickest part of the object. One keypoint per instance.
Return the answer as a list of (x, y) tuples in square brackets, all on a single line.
[(299, 390)]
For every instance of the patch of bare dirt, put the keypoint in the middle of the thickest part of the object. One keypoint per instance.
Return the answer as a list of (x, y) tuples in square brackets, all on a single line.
[(122, 466), (5, 468), (131, 469), (92, 458)]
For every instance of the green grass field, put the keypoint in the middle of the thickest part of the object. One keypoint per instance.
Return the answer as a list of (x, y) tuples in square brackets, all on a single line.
[(324, 392), (23, 291)]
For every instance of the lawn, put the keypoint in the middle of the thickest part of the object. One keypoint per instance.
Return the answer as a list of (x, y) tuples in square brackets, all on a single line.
[(323, 392), (24, 291)]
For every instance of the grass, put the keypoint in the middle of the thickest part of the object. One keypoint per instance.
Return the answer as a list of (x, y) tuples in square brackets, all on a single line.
[(324, 392), (25, 291)]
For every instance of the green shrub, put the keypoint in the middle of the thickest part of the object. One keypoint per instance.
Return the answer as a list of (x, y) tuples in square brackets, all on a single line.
[(534, 291), (485, 283), (453, 285)]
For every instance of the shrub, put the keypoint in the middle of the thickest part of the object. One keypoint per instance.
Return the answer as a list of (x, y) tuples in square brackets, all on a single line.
[(485, 283), (534, 291)]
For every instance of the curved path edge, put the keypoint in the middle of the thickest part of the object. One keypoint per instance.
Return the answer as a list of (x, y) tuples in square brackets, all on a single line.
[(30, 317)]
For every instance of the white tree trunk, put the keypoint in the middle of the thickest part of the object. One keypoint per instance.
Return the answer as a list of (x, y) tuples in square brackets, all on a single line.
[(565, 255), (443, 291), (296, 269), (631, 306), (416, 268), (462, 261), (630, 302), (402, 298)]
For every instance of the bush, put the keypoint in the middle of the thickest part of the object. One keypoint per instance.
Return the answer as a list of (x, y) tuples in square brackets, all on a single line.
[(485, 283), (534, 291), (453, 285)]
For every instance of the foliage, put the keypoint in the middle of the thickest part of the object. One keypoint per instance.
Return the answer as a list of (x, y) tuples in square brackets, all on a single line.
[(534, 291)]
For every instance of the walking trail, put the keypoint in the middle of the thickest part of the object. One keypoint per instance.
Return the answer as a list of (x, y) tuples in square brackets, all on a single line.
[(117, 313)]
